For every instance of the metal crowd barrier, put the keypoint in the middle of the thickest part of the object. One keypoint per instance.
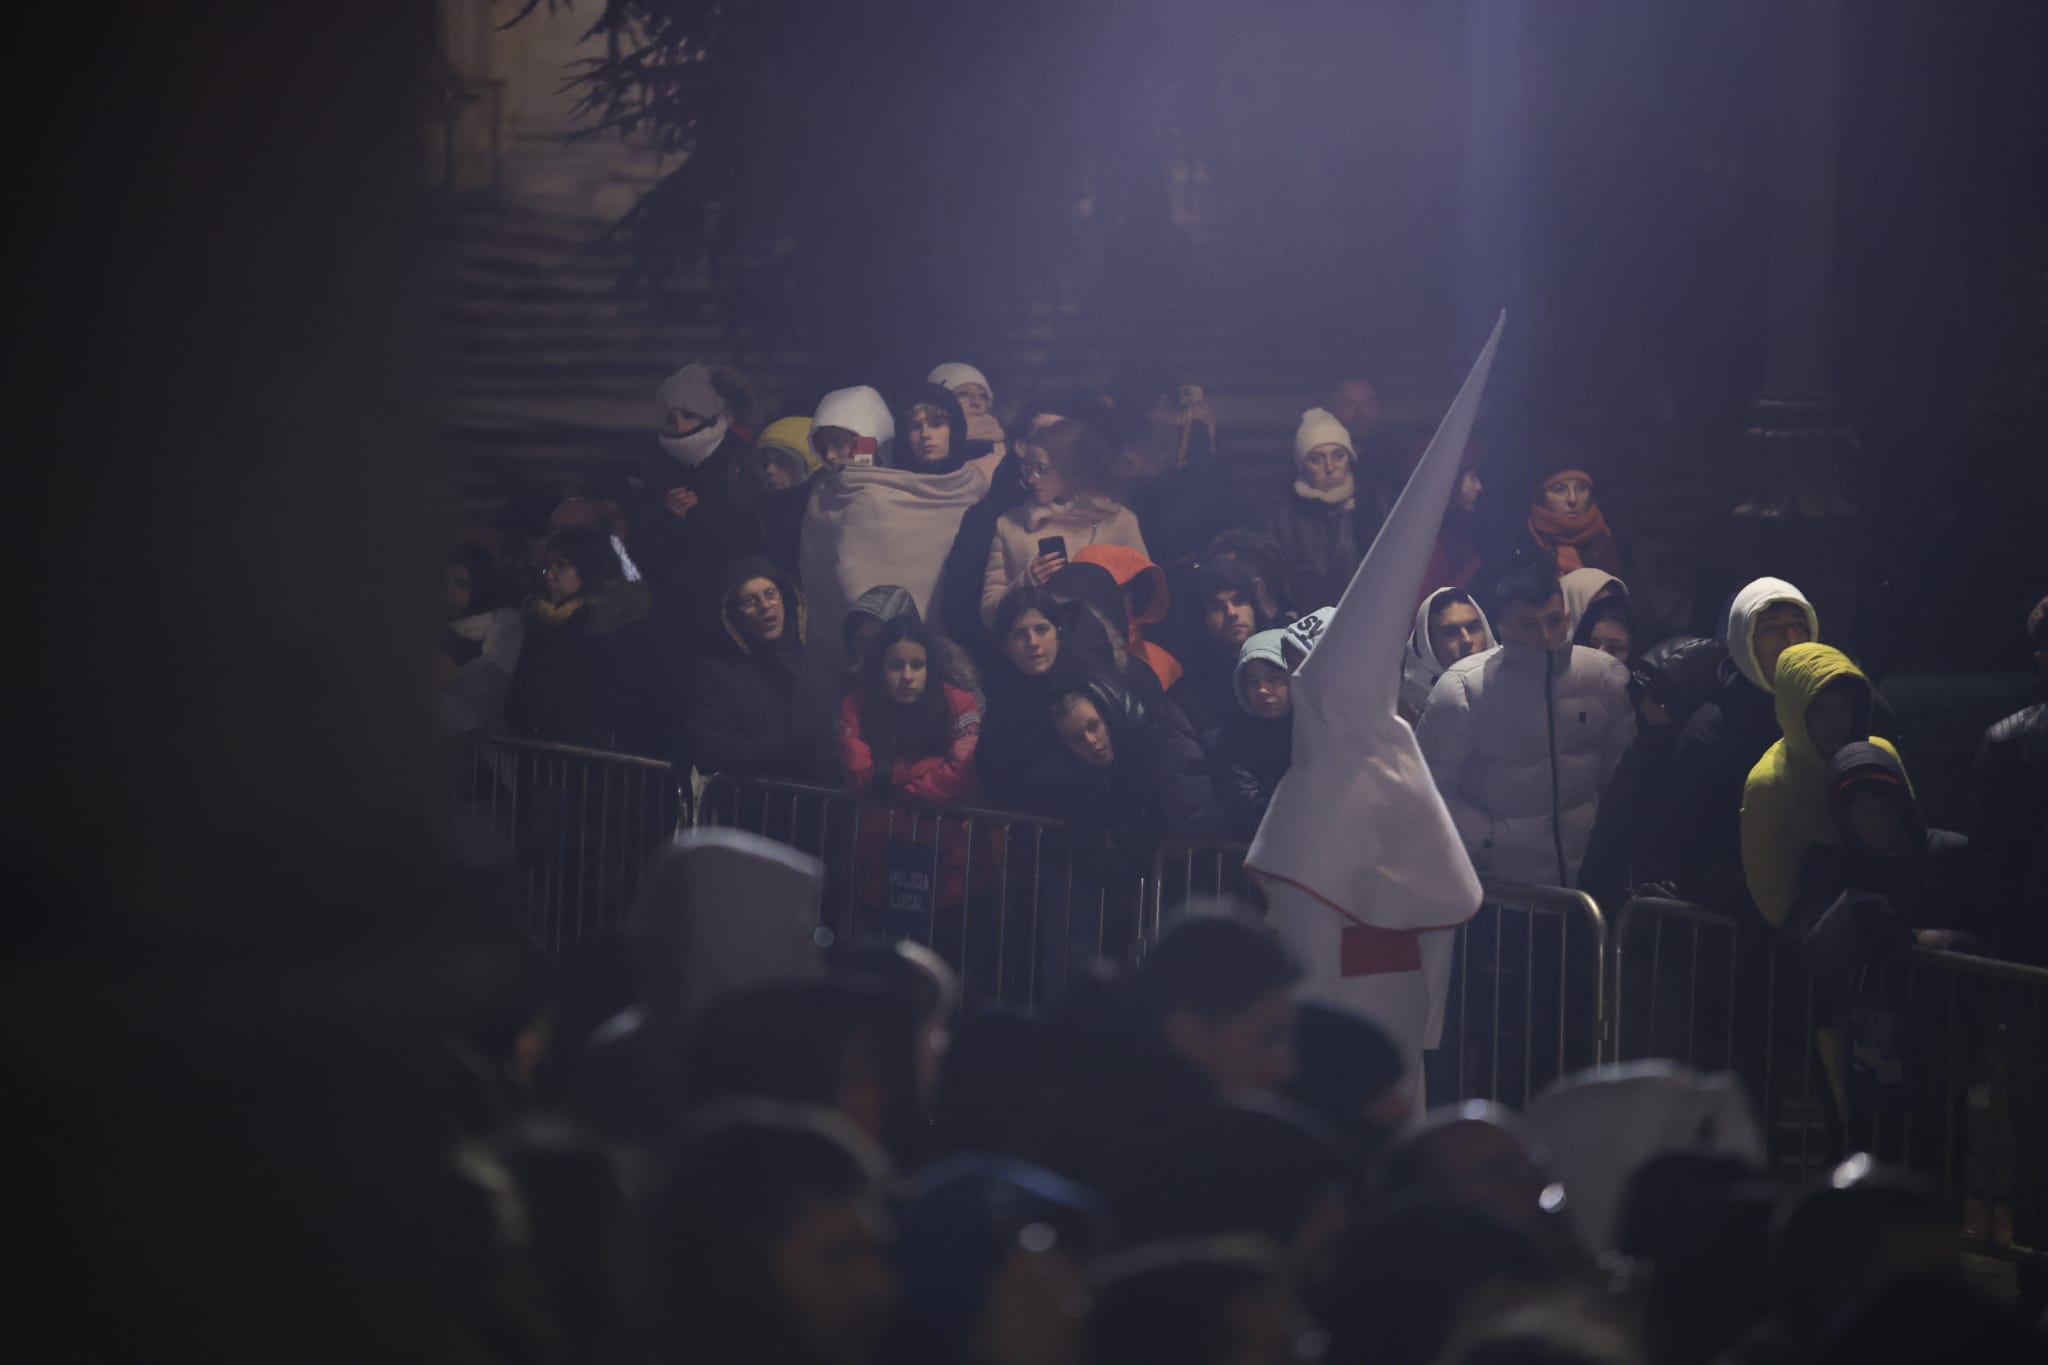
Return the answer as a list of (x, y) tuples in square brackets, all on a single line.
[(575, 827), (1528, 996), (1013, 903), (1928, 1059)]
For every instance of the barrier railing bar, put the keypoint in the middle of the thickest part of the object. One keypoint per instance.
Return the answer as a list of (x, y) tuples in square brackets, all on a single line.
[(1692, 998), (1807, 1047)]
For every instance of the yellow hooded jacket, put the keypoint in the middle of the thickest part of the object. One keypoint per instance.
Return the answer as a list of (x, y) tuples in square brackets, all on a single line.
[(1785, 805)]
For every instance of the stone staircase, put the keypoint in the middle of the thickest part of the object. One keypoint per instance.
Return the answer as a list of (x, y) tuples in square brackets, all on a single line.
[(547, 367)]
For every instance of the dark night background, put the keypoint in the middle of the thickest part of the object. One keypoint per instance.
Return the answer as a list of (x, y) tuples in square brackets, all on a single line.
[(228, 931)]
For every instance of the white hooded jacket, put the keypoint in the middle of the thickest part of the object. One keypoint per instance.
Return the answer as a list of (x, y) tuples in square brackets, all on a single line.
[(1524, 790), (1581, 586), (1419, 668), (1753, 601), (1364, 872)]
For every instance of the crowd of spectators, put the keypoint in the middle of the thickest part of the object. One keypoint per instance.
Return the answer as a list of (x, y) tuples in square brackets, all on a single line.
[(731, 1137), (773, 1151), (1097, 614)]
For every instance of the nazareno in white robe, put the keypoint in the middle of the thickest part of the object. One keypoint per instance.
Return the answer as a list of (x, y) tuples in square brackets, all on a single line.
[(1364, 874)]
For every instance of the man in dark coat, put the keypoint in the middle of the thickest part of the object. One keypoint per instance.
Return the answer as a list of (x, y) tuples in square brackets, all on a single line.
[(741, 713)]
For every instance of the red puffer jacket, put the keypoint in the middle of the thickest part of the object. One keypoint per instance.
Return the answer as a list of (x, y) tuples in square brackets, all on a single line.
[(890, 813)]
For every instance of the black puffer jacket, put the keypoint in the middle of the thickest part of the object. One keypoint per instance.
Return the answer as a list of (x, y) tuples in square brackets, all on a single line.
[(1159, 779), (741, 713)]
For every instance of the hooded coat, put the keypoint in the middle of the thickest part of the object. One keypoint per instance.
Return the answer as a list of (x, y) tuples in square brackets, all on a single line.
[(1139, 578), (741, 713), (1158, 780), (940, 397), (1581, 586), (1696, 838), (1253, 753), (1419, 668), (1787, 803), (1522, 743), (783, 444)]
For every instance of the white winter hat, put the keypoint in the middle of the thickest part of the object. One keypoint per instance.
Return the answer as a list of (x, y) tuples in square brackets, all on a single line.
[(691, 389), (1319, 428), (859, 410), (954, 373)]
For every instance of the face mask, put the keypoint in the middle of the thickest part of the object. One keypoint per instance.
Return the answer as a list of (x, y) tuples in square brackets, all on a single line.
[(692, 450)]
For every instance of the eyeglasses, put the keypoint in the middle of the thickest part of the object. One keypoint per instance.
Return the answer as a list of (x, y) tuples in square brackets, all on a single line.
[(1035, 470), (761, 601)]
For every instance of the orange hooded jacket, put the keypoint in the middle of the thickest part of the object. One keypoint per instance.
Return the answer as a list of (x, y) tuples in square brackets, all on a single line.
[(1127, 566)]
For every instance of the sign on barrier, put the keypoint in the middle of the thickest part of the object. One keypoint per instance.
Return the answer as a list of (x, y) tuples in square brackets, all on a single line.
[(1014, 903)]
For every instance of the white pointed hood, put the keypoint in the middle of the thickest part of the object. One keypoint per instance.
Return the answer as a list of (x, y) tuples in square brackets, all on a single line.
[(1751, 603), (1419, 668), (1357, 822)]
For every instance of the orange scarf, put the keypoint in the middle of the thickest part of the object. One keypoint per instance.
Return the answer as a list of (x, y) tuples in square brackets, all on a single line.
[(1577, 540)]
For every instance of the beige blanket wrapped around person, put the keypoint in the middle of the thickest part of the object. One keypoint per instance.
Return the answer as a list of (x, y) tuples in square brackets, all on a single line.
[(866, 526)]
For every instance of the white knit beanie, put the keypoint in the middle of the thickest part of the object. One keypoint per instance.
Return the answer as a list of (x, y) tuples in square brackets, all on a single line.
[(1318, 428)]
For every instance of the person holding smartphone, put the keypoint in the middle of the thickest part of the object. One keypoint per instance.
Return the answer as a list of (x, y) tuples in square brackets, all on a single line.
[(1067, 506)]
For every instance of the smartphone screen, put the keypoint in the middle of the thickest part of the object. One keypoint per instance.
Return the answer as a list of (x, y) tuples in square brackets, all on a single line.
[(1053, 545)]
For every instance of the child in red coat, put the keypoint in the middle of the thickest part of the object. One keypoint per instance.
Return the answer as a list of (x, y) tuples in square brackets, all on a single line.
[(906, 739)]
